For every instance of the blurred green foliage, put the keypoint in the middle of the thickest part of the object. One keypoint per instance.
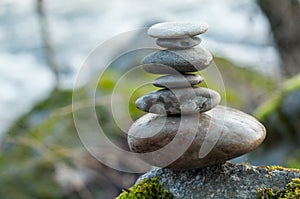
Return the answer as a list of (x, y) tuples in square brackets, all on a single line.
[(46, 136), (293, 160), (31, 149), (280, 114), (245, 87)]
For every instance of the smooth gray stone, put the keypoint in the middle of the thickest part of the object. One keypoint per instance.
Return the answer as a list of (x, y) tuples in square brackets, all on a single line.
[(176, 141), (177, 29), (178, 43), (179, 101), (178, 81), (226, 181), (172, 62)]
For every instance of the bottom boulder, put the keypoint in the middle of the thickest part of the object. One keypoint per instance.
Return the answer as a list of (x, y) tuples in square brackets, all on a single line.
[(228, 181)]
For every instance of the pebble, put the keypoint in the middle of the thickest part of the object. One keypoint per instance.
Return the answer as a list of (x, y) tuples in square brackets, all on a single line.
[(177, 29), (175, 142), (179, 101), (172, 62), (178, 43), (178, 81)]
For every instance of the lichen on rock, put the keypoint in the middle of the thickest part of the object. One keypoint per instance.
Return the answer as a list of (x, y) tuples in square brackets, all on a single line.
[(291, 191)]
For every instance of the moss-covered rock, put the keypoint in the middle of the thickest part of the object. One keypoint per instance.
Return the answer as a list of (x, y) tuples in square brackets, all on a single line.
[(291, 191), (232, 181), (146, 189)]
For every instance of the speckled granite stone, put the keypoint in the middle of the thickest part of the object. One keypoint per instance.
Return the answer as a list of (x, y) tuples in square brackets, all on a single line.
[(227, 181), (179, 101)]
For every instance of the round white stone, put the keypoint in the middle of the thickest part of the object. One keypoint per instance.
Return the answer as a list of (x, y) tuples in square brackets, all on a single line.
[(177, 29)]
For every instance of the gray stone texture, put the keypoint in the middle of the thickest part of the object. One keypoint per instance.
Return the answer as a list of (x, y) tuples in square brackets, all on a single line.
[(195, 141), (178, 43), (178, 81), (227, 181), (177, 29), (170, 62), (179, 101)]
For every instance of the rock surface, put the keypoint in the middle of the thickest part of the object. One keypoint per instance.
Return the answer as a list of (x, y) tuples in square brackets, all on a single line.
[(178, 142), (188, 60), (180, 43), (227, 181), (177, 29), (178, 81), (179, 101)]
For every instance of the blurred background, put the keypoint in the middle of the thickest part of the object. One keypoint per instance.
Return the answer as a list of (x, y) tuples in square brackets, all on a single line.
[(256, 47)]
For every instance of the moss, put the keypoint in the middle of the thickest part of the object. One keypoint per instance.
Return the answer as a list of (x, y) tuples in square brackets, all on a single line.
[(291, 191), (280, 168), (146, 189), (266, 193)]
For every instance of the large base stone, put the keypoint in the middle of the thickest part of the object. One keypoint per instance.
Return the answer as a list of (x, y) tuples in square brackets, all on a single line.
[(195, 141), (227, 181)]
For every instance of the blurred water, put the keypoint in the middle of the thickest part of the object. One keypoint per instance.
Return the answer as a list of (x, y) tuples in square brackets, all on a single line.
[(238, 31)]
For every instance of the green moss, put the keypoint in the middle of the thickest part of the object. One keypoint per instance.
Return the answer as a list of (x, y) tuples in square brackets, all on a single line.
[(266, 193), (291, 191), (280, 168), (146, 189)]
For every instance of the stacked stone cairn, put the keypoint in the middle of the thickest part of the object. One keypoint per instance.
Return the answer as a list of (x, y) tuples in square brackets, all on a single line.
[(185, 128)]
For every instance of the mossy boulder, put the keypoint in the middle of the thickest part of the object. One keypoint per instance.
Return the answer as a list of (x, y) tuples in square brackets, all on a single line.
[(291, 191), (223, 181)]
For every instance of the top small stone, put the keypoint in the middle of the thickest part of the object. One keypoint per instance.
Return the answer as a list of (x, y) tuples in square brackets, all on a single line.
[(177, 29)]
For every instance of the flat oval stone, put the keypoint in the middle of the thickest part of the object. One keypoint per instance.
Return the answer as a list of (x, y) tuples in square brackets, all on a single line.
[(229, 133), (178, 81), (177, 29), (172, 62), (178, 43), (179, 101)]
